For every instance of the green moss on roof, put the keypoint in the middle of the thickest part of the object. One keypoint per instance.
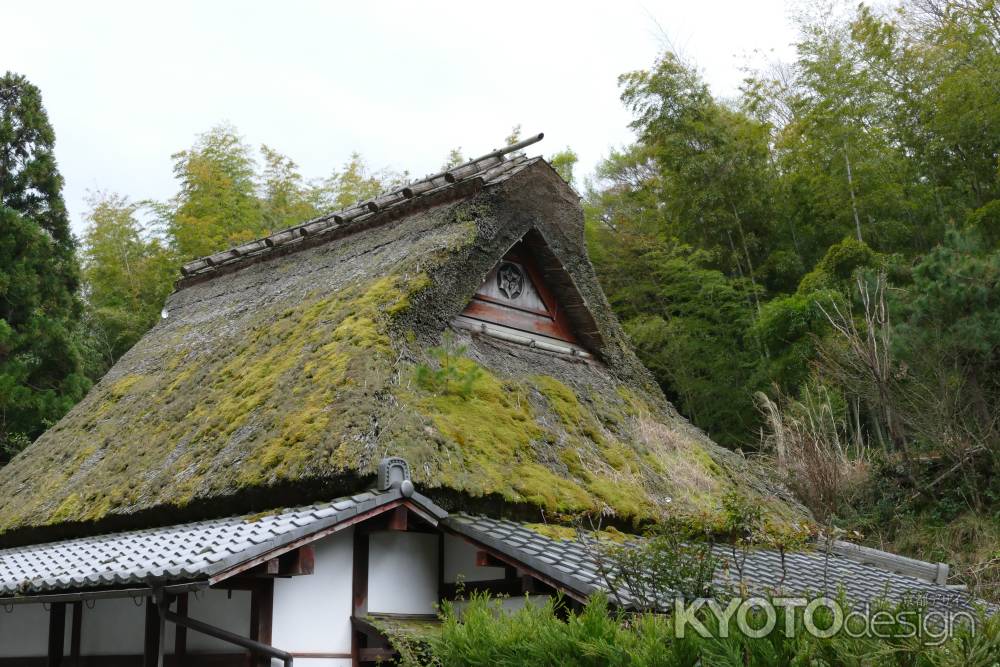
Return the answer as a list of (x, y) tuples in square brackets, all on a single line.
[(533, 438), (490, 436), (298, 373), (563, 533)]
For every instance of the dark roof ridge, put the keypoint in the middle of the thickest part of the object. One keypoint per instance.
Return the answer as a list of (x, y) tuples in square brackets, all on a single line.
[(489, 168)]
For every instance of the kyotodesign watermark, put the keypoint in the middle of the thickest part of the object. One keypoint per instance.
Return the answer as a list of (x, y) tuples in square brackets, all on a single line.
[(821, 617)]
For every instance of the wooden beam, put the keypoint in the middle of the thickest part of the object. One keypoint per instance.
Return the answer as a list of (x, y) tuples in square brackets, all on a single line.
[(359, 579), (198, 660), (180, 632), (57, 633), (377, 654), (486, 559), (301, 561), (296, 563), (308, 539), (261, 616), (359, 590), (152, 646), (76, 632), (440, 572), (398, 519)]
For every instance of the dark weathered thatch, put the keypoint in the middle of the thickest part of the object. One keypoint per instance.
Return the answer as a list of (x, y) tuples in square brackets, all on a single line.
[(282, 377)]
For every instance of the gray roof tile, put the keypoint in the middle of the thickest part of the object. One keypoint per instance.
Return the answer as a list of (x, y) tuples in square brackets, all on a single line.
[(200, 550), (572, 564), (196, 550)]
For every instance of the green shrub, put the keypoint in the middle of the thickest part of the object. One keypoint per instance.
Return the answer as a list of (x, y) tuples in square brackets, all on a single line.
[(450, 375), (546, 632)]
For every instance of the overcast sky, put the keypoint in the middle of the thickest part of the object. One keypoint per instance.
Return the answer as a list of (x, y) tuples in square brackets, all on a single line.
[(128, 84)]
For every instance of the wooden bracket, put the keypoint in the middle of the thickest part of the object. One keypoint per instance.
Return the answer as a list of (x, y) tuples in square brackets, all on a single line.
[(486, 559), (398, 519), (300, 561)]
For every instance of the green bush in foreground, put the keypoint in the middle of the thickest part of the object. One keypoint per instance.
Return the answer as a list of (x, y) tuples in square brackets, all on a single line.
[(545, 632)]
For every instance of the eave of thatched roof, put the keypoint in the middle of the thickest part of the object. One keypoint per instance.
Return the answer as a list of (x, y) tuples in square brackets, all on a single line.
[(282, 378)]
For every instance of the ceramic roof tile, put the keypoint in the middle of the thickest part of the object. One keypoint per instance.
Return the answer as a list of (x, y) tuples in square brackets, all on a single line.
[(188, 551), (572, 563)]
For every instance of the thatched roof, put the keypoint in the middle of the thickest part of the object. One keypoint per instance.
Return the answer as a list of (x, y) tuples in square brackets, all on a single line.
[(282, 374)]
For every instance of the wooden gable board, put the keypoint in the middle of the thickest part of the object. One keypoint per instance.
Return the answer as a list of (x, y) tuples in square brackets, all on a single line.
[(514, 295)]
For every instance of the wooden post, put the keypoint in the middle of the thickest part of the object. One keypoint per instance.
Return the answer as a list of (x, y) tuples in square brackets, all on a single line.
[(57, 633), (359, 589), (440, 573), (261, 613), (360, 574), (152, 653), (180, 632), (75, 633)]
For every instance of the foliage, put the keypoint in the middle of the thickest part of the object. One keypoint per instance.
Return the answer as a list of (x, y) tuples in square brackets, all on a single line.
[(454, 159), (127, 273), (713, 174), (689, 324), (411, 637), (216, 206), (285, 198), (789, 328), (812, 444), (132, 250), (548, 632), (564, 162), (669, 563), (873, 153), (225, 198), (41, 366), (450, 376), (355, 182), (838, 266)]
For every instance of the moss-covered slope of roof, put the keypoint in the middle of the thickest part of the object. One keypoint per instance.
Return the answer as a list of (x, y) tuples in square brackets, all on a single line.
[(287, 381)]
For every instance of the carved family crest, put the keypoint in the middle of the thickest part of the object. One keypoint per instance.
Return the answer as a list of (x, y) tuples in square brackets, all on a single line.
[(510, 280)]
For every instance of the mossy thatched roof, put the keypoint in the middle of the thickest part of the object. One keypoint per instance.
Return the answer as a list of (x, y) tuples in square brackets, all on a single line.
[(286, 380)]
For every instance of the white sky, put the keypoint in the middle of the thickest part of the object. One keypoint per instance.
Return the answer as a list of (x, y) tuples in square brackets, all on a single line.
[(128, 84)]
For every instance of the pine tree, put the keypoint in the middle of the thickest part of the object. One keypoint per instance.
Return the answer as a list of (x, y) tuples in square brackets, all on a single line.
[(40, 364)]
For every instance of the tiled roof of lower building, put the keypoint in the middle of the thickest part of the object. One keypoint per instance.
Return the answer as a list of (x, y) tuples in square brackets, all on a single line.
[(206, 551), (184, 552), (574, 564)]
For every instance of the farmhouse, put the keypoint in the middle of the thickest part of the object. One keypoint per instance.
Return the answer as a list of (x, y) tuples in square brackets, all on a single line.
[(336, 427)]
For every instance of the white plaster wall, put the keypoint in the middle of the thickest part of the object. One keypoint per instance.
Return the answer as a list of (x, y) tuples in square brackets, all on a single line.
[(116, 626), (217, 608), (312, 613), (402, 573), (113, 627), (460, 559), (24, 632)]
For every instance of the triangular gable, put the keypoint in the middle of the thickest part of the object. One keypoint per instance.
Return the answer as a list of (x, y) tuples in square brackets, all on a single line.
[(515, 300)]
